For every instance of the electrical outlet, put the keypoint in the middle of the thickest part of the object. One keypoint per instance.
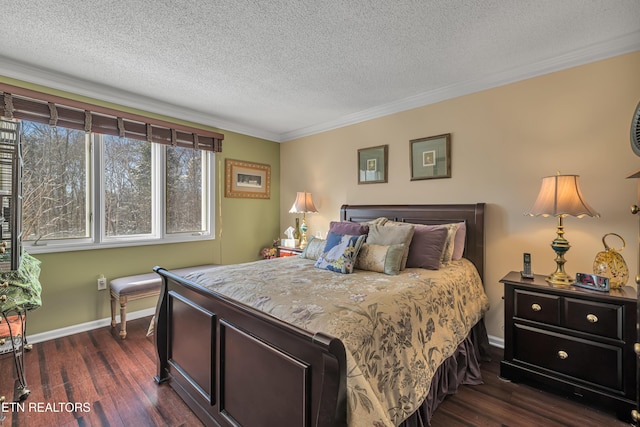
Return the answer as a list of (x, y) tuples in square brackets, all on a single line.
[(102, 283)]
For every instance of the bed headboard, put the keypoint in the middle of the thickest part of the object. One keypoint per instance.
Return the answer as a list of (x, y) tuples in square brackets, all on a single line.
[(471, 214)]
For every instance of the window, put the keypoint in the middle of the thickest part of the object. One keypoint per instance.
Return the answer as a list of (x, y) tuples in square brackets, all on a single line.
[(84, 190), (185, 206), (96, 176), (55, 183), (127, 194)]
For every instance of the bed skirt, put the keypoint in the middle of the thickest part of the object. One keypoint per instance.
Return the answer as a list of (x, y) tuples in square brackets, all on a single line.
[(461, 368)]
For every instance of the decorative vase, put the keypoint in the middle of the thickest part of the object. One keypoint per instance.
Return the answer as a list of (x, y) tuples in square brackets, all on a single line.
[(609, 263)]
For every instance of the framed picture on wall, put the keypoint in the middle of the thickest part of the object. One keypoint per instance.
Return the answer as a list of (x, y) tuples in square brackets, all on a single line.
[(247, 180), (372, 164), (431, 157)]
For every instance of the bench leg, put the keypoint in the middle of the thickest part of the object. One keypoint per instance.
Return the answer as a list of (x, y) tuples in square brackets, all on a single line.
[(123, 317), (113, 311)]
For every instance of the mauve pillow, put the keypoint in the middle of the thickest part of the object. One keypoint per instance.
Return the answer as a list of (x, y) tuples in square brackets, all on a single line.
[(426, 247), (348, 227)]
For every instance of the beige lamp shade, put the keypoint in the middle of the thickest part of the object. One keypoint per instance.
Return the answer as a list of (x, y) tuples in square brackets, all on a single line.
[(303, 203), (560, 195)]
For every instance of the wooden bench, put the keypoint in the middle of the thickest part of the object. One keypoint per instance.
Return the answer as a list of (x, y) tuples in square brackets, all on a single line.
[(124, 289)]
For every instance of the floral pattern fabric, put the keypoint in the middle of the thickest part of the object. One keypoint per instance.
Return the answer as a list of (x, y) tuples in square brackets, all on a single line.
[(396, 330), (340, 252)]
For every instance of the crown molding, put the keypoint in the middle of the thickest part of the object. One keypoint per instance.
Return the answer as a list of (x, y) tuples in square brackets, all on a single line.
[(36, 75), (618, 46), (73, 85)]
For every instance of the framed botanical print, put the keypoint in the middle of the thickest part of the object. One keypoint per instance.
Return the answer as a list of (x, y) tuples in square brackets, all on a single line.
[(372, 164), (247, 180), (431, 157)]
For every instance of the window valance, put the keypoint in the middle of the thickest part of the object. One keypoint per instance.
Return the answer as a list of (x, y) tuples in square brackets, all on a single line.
[(26, 104)]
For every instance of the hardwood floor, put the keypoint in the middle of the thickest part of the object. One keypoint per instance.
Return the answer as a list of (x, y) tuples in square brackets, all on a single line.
[(114, 377), (502, 403), (112, 382)]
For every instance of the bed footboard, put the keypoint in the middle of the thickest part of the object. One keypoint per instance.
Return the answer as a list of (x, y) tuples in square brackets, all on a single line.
[(234, 365)]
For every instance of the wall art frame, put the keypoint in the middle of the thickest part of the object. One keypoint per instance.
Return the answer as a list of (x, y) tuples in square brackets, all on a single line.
[(431, 157), (247, 180), (373, 164)]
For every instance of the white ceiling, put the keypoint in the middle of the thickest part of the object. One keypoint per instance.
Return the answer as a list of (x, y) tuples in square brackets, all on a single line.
[(281, 69)]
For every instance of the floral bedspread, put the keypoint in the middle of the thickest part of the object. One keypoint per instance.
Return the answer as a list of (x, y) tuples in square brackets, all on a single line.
[(396, 329)]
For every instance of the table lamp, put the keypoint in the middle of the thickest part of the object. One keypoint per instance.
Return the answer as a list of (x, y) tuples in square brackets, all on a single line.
[(303, 204), (560, 196)]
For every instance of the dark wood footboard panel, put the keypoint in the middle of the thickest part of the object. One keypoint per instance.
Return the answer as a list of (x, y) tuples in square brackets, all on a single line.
[(234, 365)]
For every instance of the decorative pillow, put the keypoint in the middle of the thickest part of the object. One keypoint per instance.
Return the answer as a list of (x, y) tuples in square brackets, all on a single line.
[(455, 243), (459, 241), (379, 258), (314, 248), (348, 227), (340, 252), (384, 235), (378, 221), (447, 253), (427, 247)]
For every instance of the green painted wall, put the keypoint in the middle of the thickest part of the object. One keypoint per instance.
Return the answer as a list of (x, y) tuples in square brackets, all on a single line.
[(243, 227)]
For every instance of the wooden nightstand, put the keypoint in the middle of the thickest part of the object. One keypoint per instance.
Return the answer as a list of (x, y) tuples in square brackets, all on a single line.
[(284, 251), (576, 340)]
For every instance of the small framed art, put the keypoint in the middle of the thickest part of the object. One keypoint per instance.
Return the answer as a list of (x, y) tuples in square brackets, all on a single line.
[(247, 180), (372, 164), (431, 157)]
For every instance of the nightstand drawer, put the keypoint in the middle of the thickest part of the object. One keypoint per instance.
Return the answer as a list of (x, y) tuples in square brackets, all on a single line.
[(594, 317), (538, 307), (584, 360)]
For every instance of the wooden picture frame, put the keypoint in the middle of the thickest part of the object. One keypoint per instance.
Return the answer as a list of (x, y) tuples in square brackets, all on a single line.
[(431, 157), (247, 180), (373, 165)]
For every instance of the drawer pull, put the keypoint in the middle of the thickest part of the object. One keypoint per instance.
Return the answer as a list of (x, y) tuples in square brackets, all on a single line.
[(635, 416), (636, 348), (536, 307), (592, 318), (563, 354)]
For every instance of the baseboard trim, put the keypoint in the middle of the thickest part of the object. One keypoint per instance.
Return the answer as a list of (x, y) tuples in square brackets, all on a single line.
[(496, 341), (88, 326)]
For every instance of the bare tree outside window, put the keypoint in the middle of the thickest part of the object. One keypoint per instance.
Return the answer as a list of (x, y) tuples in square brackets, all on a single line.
[(127, 186), (54, 182), (184, 190), (62, 168)]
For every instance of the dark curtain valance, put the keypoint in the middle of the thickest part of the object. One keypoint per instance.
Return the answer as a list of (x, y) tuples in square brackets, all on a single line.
[(25, 104)]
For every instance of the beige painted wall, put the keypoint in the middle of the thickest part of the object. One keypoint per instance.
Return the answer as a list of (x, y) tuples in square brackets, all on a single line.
[(243, 227), (504, 140)]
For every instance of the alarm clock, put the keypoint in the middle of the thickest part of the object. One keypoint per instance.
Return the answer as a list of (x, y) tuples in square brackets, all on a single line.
[(592, 281)]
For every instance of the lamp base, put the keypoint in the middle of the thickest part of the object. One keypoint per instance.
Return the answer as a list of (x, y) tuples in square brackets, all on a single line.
[(560, 246), (303, 240), (560, 279), (303, 231)]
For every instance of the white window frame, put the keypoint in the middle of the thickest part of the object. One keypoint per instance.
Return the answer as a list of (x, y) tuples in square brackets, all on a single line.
[(158, 235)]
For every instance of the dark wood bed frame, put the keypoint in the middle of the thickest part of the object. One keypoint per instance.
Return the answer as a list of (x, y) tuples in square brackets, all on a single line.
[(235, 365)]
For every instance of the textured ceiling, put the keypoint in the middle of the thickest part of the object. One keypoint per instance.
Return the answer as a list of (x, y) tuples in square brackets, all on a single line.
[(281, 69)]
